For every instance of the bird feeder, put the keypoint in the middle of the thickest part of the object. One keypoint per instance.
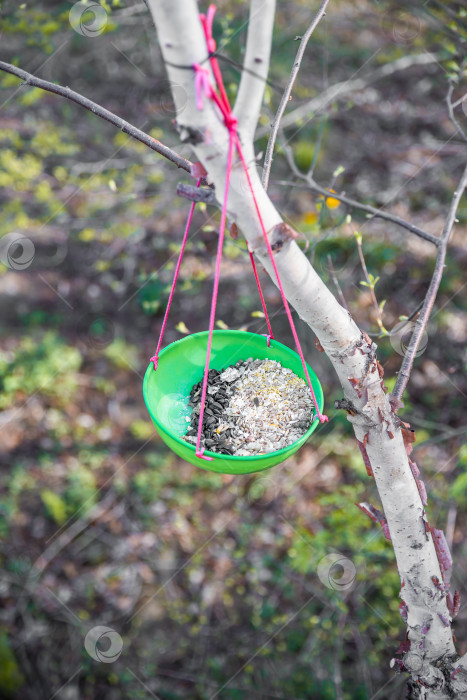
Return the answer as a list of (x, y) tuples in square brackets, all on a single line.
[(181, 365)]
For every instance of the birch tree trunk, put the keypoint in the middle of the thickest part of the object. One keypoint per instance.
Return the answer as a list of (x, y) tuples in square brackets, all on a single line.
[(351, 352)]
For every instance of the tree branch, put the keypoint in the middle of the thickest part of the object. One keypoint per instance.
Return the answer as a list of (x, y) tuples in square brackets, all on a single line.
[(451, 107), (336, 284), (287, 92), (352, 354), (378, 310), (99, 111), (343, 88), (459, 101), (421, 322), (377, 213), (256, 66)]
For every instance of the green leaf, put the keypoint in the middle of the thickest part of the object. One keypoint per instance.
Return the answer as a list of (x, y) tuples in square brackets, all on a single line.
[(55, 505), (181, 328), (11, 678), (459, 487), (29, 97)]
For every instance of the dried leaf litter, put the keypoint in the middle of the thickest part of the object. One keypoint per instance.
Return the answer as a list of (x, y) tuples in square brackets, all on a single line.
[(253, 407)]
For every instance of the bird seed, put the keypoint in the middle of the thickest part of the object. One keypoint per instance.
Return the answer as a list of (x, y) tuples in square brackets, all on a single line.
[(253, 407)]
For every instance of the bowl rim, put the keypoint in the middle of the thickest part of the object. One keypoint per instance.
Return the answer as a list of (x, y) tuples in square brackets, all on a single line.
[(217, 455)]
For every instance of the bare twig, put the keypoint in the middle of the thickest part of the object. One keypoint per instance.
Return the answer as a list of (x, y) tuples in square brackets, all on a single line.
[(421, 322), (256, 65), (378, 213), (395, 330), (456, 16), (399, 326), (317, 148), (459, 101), (310, 183), (243, 69), (451, 524), (342, 89), (370, 282), (336, 283), (196, 194), (452, 116), (99, 111), (287, 92)]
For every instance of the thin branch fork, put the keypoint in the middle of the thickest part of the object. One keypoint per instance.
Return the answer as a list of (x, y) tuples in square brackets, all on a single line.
[(343, 88), (177, 159), (421, 322), (99, 111), (377, 213), (196, 194), (451, 106), (311, 184), (374, 211), (288, 91)]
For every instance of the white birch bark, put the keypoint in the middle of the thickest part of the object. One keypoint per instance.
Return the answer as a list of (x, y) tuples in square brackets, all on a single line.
[(182, 44)]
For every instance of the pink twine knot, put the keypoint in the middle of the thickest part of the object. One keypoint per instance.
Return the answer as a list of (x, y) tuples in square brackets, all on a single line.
[(155, 360), (322, 418), (201, 455), (231, 121), (202, 83), (268, 339)]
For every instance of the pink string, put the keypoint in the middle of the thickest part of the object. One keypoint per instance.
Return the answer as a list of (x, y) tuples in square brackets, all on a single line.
[(207, 22), (155, 358), (322, 417), (201, 83), (263, 304), (230, 122), (200, 452)]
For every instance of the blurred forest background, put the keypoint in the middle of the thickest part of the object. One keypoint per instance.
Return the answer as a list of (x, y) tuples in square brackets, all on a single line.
[(211, 581)]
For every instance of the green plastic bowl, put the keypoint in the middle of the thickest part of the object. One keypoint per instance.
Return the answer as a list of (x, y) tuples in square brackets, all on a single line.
[(181, 365)]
